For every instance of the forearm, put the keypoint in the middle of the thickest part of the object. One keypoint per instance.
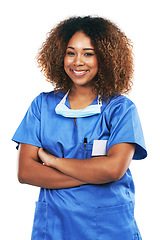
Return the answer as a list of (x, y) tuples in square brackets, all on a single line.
[(97, 170), (87, 170), (39, 175)]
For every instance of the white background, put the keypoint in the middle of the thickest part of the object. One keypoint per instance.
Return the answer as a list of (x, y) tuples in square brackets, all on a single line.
[(24, 25)]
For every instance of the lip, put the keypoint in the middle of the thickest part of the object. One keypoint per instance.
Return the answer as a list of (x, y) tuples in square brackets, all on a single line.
[(79, 73)]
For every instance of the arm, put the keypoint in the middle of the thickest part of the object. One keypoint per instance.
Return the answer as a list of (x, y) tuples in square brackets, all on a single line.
[(97, 170), (32, 172)]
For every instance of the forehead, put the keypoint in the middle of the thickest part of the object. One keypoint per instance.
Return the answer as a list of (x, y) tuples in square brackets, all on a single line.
[(80, 40)]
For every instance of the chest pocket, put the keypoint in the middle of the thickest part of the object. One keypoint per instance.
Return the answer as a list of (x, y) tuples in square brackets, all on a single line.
[(87, 150), (98, 148)]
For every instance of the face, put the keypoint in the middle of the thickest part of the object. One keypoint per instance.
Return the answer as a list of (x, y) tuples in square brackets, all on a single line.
[(80, 62)]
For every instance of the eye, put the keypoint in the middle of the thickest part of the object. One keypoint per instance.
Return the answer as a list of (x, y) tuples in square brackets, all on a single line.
[(88, 54), (70, 53)]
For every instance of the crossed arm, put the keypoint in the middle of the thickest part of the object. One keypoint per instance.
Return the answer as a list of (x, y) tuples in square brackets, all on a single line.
[(67, 172)]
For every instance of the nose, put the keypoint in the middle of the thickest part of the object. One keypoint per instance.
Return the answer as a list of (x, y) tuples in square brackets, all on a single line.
[(78, 60)]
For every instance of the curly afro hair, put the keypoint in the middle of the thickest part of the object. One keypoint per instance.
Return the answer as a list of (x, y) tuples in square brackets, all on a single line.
[(112, 47)]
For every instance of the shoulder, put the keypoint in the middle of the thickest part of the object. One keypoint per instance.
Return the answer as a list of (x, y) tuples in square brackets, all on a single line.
[(47, 98), (51, 96), (118, 107), (120, 103), (120, 100)]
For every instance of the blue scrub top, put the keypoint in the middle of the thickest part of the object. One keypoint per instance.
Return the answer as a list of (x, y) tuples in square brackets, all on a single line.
[(89, 212)]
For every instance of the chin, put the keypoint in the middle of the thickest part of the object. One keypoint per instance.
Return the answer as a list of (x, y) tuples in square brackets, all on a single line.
[(82, 82)]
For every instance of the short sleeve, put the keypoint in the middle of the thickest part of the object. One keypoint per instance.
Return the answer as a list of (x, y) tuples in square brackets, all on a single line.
[(125, 127), (29, 129)]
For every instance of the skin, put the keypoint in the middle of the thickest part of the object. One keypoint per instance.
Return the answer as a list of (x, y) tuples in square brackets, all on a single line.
[(97, 170), (32, 172), (81, 65), (80, 62)]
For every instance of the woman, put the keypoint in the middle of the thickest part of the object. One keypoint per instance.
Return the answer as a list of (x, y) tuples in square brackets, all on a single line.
[(85, 133)]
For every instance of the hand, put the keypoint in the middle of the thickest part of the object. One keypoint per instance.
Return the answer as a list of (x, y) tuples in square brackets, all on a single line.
[(47, 158)]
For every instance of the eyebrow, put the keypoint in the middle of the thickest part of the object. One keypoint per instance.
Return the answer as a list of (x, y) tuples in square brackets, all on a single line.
[(83, 48)]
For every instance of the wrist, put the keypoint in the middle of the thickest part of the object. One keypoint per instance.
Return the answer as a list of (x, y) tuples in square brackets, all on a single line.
[(54, 161)]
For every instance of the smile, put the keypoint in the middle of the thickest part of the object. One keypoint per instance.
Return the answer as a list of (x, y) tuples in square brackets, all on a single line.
[(79, 72)]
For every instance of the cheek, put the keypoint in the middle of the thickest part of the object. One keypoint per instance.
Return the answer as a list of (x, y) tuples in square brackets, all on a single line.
[(66, 64), (67, 61), (96, 65), (93, 64)]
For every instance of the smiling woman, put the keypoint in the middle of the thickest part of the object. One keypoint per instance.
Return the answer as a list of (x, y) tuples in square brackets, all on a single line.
[(113, 50), (80, 61), (87, 190)]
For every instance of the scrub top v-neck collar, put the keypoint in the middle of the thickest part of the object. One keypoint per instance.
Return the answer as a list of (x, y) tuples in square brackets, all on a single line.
[(67, 103)]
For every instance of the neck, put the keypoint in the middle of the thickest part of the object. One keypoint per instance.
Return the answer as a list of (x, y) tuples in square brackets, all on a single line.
[(82, 92), (81, 97)]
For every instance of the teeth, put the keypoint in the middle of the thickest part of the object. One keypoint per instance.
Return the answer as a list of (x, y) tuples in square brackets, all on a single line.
[(77, 72)]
